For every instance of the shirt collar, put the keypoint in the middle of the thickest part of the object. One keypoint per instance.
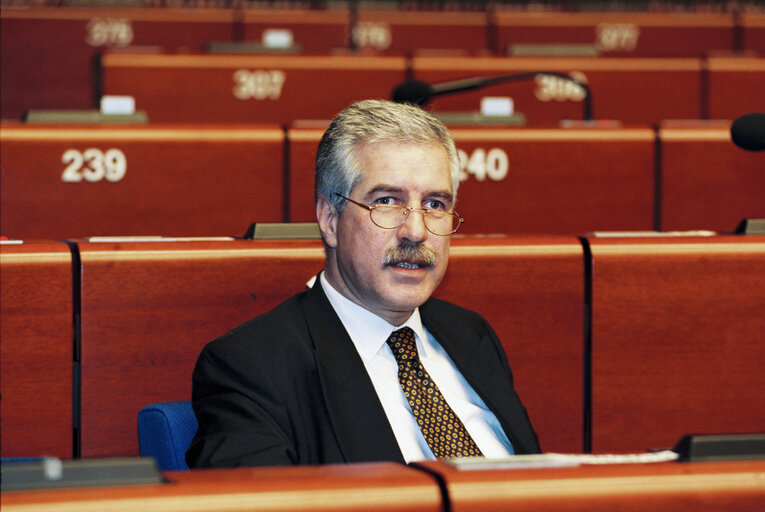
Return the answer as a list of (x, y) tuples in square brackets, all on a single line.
[(367, 330)]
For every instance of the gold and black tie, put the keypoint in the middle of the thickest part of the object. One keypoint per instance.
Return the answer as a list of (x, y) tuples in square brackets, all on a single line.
[(443, 430)]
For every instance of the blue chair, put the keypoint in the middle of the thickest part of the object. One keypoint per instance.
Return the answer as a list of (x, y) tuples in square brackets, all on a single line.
[(165, 431)]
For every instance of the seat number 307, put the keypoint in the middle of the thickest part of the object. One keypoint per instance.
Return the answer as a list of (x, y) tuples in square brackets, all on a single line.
[(93, 165)]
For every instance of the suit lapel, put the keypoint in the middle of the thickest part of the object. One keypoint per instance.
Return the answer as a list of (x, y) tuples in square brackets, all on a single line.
[(476, 358), (361, 427)]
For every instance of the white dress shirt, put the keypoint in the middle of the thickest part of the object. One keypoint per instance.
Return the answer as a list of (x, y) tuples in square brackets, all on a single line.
[(369, 333)]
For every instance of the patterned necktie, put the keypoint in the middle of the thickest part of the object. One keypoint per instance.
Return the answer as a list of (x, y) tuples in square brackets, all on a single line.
[(443, 430)]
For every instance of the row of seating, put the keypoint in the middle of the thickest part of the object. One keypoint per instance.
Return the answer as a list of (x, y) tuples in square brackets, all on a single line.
[(617, 344), (280, 89), (75, 181), (39, 43)]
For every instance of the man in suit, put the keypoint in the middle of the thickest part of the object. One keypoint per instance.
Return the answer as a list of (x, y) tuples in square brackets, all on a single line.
[(365, 365)]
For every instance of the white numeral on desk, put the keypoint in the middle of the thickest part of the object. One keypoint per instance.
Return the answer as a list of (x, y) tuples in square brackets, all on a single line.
[(610, 37), (93, 165), (482, 164), (111, 32), (551, 87), (372, 35), (259, 84)]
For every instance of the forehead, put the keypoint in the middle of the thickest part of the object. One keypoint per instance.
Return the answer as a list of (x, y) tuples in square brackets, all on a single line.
[(421, 166)]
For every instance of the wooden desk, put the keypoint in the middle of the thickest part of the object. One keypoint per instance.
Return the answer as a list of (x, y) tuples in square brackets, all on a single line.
[(617, 34), (248, 88), (43, 42), (69, 181), (631, 90), (37, 342), (312, 31), (735, 86), (381, 487), (708, 487), (531, 290), (375, 487), (753, 31), (149, 308), (527, 181), (407, 32), (677, 346), (706, 181)]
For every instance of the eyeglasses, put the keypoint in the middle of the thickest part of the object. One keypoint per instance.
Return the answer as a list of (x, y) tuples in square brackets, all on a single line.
[(391, 216)]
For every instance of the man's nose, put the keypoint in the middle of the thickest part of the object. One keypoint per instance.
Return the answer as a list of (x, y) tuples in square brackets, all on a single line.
[(413, 228)]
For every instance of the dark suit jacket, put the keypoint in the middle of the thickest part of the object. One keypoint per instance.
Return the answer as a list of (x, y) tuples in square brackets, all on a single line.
[(288, 387)]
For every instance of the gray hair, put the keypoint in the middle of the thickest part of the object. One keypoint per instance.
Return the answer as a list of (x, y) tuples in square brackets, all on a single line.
[(367, 122)]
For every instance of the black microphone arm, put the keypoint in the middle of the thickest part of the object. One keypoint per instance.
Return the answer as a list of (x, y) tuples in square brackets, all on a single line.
[(420, 93)]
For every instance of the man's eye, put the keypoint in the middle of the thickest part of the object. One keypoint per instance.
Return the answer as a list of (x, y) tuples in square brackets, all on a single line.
[(385, 200), (434, 205)]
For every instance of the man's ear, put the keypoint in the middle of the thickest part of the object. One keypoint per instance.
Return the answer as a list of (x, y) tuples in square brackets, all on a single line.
[(327, 217)]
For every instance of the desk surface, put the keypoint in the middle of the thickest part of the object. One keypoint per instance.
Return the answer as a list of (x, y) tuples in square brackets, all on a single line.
[(736, 486), (379, 487)]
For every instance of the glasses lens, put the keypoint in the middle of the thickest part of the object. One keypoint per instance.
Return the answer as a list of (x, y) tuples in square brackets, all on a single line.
[(392, 216), (388, 217), (441, 223)]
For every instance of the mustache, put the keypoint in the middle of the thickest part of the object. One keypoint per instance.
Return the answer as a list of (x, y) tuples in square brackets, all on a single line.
[(410, 252)]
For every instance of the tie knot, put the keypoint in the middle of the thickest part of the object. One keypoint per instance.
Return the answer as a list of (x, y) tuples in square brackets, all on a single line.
[(402, 342)]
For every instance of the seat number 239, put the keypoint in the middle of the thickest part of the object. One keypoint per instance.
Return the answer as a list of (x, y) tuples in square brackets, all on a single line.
[(93, 165)]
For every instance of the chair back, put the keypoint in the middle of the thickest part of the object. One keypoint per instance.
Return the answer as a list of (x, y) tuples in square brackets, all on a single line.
[(165, 431)]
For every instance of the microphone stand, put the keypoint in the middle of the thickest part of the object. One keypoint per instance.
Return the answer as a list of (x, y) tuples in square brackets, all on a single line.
[(420, 93)]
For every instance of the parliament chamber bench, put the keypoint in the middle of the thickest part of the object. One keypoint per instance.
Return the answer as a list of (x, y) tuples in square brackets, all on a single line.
[(72, 181), (704, 180), (627, 90), (619, 34), (36, 349), (436, 486), (77, 181), (281, 89), (617, 344), (675, 345), (64, 41), (147, 308), (527, 180), (30, 55)]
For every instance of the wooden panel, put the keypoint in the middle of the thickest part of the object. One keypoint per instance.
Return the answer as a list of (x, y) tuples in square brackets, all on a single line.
[(375, 487), (622, 34), (753, 31), (630, 90), (178, 181), (564, 181), (531, 292), (313, 31), (708, 487), (407, 32), (735, 86), (676, 339), (272, 88), (708, 182), (37, 336), (42, 42), (149, 308)]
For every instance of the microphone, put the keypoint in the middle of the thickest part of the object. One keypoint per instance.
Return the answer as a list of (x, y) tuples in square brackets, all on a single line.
[(748, 132), (420, 93)]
